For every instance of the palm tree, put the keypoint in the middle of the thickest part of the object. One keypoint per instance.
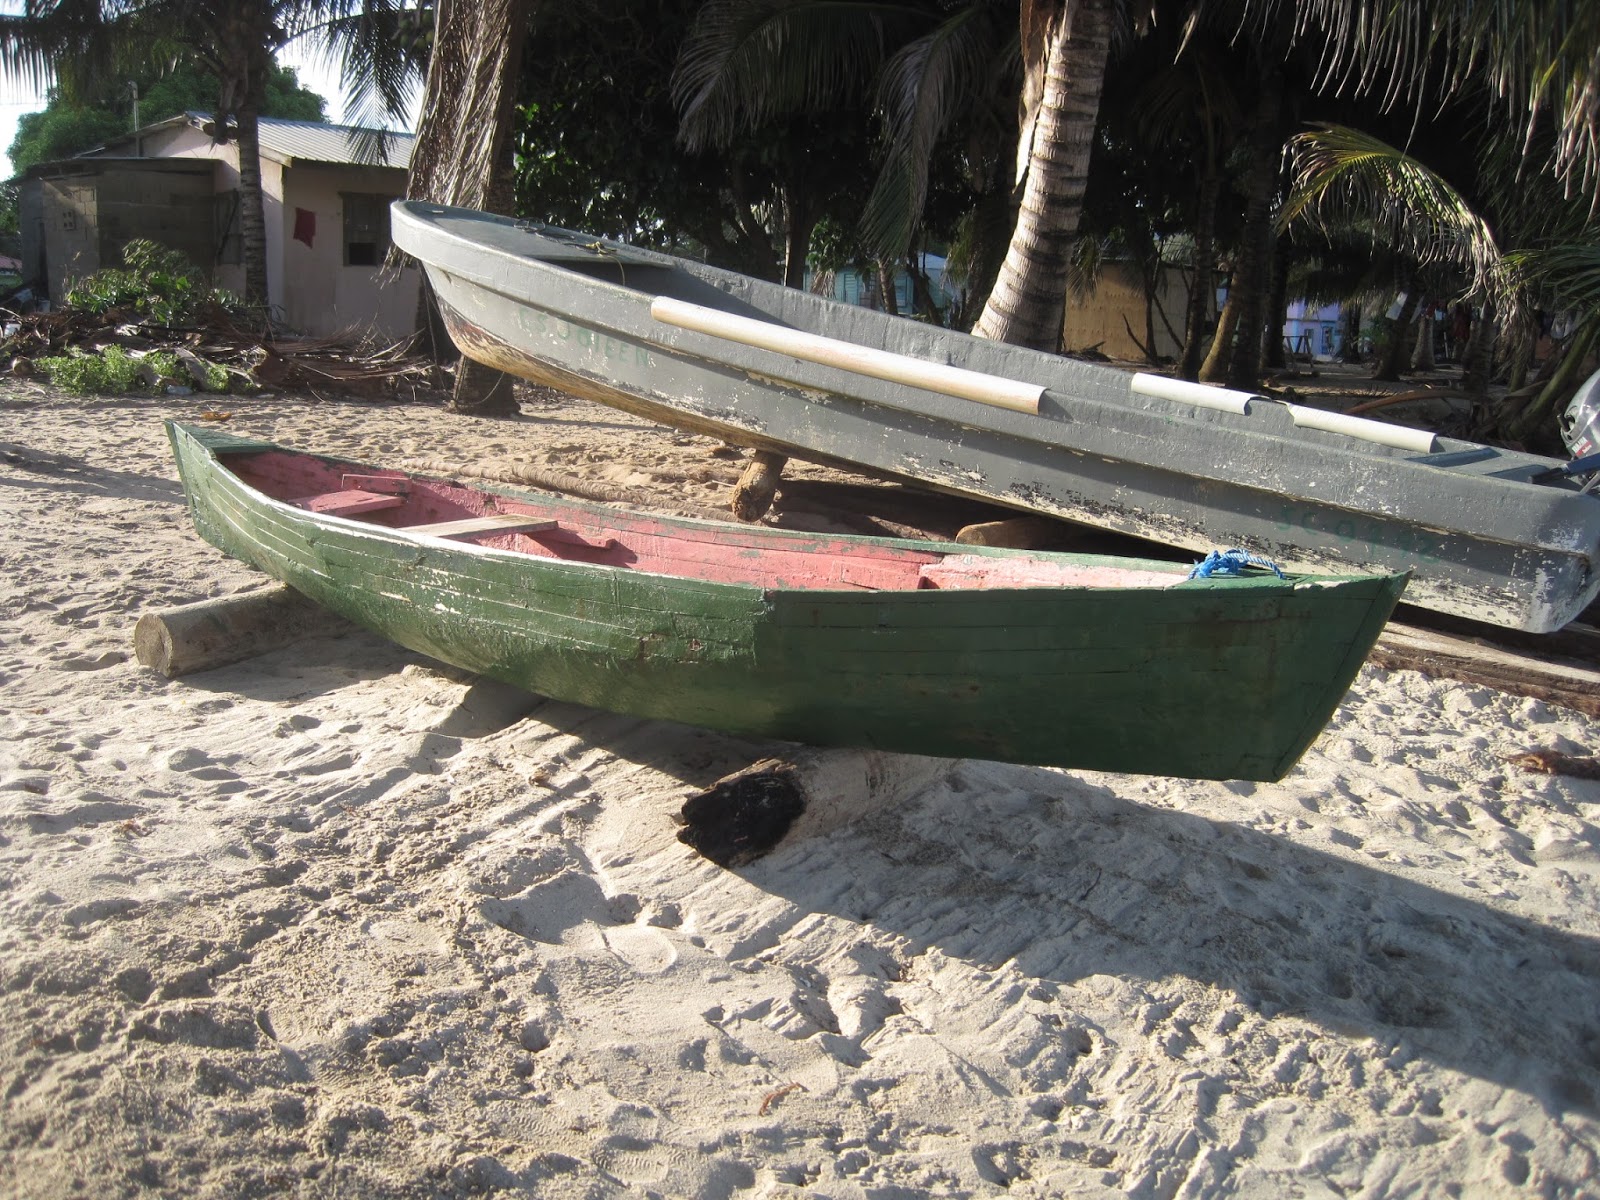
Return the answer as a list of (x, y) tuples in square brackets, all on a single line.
[(1521, 244), (1065, 45), (1180, 88), (463, 149), (1537, 60), (931, 69), (88, 45)]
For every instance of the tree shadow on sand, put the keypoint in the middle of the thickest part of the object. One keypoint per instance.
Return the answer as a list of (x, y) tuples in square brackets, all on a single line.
[(1068, 879), (40, 470)]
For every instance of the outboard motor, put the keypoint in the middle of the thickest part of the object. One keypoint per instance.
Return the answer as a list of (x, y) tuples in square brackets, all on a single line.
[(1580, 424), (1580, 430)]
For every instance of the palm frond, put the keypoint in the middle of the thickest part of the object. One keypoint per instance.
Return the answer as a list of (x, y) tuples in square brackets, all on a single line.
[(376, 55), (1536, 57), (1196, 88), (1343, 176), (745, 62), (1566, 275), (83, 47), (924, 86)]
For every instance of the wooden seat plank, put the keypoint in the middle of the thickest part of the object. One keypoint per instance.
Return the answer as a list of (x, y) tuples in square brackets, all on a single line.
[(347, 503), (493, 523)]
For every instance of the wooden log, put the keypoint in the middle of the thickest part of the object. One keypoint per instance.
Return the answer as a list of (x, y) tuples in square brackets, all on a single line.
[(748, 814), (1570, 684), (1016, 533), (213, 633), (752, 497)]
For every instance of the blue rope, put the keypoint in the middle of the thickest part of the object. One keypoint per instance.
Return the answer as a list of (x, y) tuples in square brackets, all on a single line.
[(1231, 562)]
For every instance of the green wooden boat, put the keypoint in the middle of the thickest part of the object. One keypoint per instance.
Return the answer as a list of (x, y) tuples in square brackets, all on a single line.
[(927, 648)]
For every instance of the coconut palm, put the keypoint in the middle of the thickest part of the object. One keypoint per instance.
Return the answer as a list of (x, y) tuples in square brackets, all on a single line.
[(934, 71), (463, 149), (1521, 244), (84, 46), (1065, 46), (1538, 62), (1181, 92)]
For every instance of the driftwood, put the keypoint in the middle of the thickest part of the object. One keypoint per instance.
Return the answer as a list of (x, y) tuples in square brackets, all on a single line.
[(1367, 406), (753, 494), (1554, 762), (1570, 684), (748, 814), (214, 633)]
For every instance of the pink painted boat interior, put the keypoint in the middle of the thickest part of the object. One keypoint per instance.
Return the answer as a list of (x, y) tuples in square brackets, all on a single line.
[(556, 529)]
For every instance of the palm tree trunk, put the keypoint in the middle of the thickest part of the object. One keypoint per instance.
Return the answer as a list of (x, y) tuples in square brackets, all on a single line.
[(1203, 287), (1477, 360), (463, 149), (1065, 46), (1214, 369), (1350, 341), (886, 290), (1273, 351), (799, 220), (1422, 354), (252, 210), (1250, 274), (237, 40), (1524, 340), (1398, 352), (1563, 382), (1150, 286), (922, 291)]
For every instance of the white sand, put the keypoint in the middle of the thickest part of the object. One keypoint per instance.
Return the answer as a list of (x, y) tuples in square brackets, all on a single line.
[(338, 921)]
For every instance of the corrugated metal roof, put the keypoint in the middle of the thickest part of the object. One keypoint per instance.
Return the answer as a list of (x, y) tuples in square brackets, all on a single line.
[(290, 142), (311, 141)]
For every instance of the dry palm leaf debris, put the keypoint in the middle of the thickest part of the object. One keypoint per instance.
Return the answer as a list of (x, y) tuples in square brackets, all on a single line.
[(249, 356)]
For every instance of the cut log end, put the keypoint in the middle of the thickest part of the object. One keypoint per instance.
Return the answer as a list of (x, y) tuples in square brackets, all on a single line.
[(742, 817), (214, 633), (748, 814), (152, 644), (1016, 533)]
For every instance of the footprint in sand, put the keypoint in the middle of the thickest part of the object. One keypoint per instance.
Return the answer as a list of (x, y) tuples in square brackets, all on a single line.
[(570, 908), (552, 911), (646, 950), (88, 662)]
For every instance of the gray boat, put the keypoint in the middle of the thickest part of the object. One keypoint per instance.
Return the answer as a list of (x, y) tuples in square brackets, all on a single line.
[(1185, 464)]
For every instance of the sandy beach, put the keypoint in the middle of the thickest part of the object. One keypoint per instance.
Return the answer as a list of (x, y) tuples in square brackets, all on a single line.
[(339, 921)]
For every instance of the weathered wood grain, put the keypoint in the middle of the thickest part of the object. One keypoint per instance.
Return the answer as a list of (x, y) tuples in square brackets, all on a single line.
[(1212, 678), (1518, 671), (227, 629)]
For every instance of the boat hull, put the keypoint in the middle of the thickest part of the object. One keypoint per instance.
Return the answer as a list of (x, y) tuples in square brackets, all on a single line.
[(1209, 678), (1479, 538)]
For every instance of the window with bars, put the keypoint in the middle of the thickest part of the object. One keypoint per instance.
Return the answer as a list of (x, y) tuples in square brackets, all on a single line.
[(366, 228)]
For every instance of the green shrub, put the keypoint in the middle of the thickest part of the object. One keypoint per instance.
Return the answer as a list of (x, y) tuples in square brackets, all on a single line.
[(166, 365), (156, 282), (112, 371)]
